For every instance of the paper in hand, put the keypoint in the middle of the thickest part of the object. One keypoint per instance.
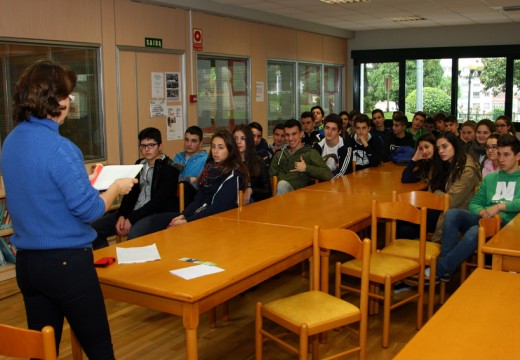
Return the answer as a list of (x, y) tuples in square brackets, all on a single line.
[(108, 174)]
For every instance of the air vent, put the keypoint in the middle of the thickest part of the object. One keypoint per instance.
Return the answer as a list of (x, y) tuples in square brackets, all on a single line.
[(333, 2), (506, 8), (406, 18)]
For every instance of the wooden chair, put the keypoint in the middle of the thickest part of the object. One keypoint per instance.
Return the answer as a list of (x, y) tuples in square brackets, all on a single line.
[(387, 269), (409, 248), (180, 194), (353, 166), (23, 343), (488, 227), (314, 312)]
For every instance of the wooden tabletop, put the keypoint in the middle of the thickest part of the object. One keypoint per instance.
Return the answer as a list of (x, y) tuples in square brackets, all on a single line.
[(479, 321), (304, 209), (241, 248)]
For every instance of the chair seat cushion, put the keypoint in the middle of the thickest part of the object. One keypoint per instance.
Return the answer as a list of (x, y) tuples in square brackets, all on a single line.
[(312, 308), (382, 265), (410, 249)]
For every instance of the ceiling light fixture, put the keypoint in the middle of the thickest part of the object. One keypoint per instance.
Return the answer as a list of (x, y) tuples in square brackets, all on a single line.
[(333, 2), (406, 18)]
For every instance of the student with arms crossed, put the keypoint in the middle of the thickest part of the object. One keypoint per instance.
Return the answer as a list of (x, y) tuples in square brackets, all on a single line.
[(278, 138), (296, 164), (310, 136), (499, 193), (364, 145), (335, 150), (190, 162), (399, 137), (52, 203), (259, 186), (156, 191)]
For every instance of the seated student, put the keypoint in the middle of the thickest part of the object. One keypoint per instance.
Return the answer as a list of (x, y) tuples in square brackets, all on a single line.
[(499, 193), (262, 148), (429, 125), (477, 148), (278, 138), (336, 151), (155, 192), (451, 124), (318, 116), (296, 164), (364, 145), (190, 162), (419, 168), (259, 186), (346, 124), (399, 137), (417, 128), (378, 130), (310, 136), (491, 162), (455, 173), (468, 131), (439, 122), (224, 174)]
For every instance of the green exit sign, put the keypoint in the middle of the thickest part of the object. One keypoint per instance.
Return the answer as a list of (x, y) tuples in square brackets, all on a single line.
[(153, 42)]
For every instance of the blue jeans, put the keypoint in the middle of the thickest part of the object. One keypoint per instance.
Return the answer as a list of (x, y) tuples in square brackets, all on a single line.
[(283, 187), (60, 283), (454, 249)]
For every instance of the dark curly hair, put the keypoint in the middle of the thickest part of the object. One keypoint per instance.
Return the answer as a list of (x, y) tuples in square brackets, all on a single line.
[(40, 89)]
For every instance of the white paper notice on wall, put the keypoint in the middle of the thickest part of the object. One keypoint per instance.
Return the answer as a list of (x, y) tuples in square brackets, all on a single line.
[(259, 91), (157, 85), (175, 123), (157, 108)]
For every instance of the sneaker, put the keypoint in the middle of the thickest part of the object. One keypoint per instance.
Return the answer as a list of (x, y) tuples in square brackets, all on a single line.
[(400, 287), (446, 277), (427, 277)]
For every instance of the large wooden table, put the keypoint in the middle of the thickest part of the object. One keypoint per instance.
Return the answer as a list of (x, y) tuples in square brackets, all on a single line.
[(249, 252), (505, 247), (479, 321)]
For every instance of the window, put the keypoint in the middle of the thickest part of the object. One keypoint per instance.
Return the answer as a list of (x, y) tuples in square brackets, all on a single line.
[(470, 77), (309, 85), (428, 86), (380, 87), (84, 125), (281, 94), (223, 92)]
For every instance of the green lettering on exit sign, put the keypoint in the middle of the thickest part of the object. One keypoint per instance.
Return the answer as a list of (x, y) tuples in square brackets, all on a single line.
[(153, 42)]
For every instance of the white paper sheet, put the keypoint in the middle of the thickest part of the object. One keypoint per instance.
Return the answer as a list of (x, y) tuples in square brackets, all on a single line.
[(196, 271), (137, 254), (111, 173)]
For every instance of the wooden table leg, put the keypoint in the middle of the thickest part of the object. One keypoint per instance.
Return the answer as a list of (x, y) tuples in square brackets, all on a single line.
[(190, 319)]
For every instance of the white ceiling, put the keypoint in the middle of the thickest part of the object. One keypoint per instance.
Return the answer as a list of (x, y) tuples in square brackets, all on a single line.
[(345, 19)]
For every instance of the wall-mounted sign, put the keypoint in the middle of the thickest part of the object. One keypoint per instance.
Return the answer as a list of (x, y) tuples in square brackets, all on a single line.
[(153, 42), (197, 39)]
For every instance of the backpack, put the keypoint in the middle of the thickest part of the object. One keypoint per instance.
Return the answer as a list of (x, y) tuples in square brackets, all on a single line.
[(402, 155)]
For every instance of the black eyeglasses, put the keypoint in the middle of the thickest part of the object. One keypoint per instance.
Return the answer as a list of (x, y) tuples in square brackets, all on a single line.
[(491, 147), (501, 125), (147, 146)]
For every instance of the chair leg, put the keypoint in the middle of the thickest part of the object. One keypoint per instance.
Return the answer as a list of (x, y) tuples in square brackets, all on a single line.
[(304, 342), (463, 271), (386, 311), (431, 292), (420, 301), (225, 311), (315, 347), (212, 318), (442, 293), (258, 331)]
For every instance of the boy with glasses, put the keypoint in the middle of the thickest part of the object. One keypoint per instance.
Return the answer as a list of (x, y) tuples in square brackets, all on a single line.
[(155, 192)]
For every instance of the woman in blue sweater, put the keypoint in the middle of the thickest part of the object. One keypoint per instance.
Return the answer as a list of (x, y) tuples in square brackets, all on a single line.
[(52, 204)]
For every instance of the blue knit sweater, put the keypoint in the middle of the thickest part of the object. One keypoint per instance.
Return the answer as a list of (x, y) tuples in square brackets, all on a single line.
[(48, 191)]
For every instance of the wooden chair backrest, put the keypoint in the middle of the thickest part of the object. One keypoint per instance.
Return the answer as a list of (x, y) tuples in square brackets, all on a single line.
[(180, 193), (488, 227), (274, 184), (426, 199), (353, 166), (345, 241), (24, 343), (399, 210)]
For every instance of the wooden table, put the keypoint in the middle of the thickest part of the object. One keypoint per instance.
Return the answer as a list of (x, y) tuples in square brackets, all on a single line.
[(249, 252), (479, 321), (304, 209), (505, 247)]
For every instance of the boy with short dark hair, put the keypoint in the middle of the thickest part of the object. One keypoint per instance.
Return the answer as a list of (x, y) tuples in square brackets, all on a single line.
[(399, 137), (364, 145), (451, 124), (310, 136), (278, 138)]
